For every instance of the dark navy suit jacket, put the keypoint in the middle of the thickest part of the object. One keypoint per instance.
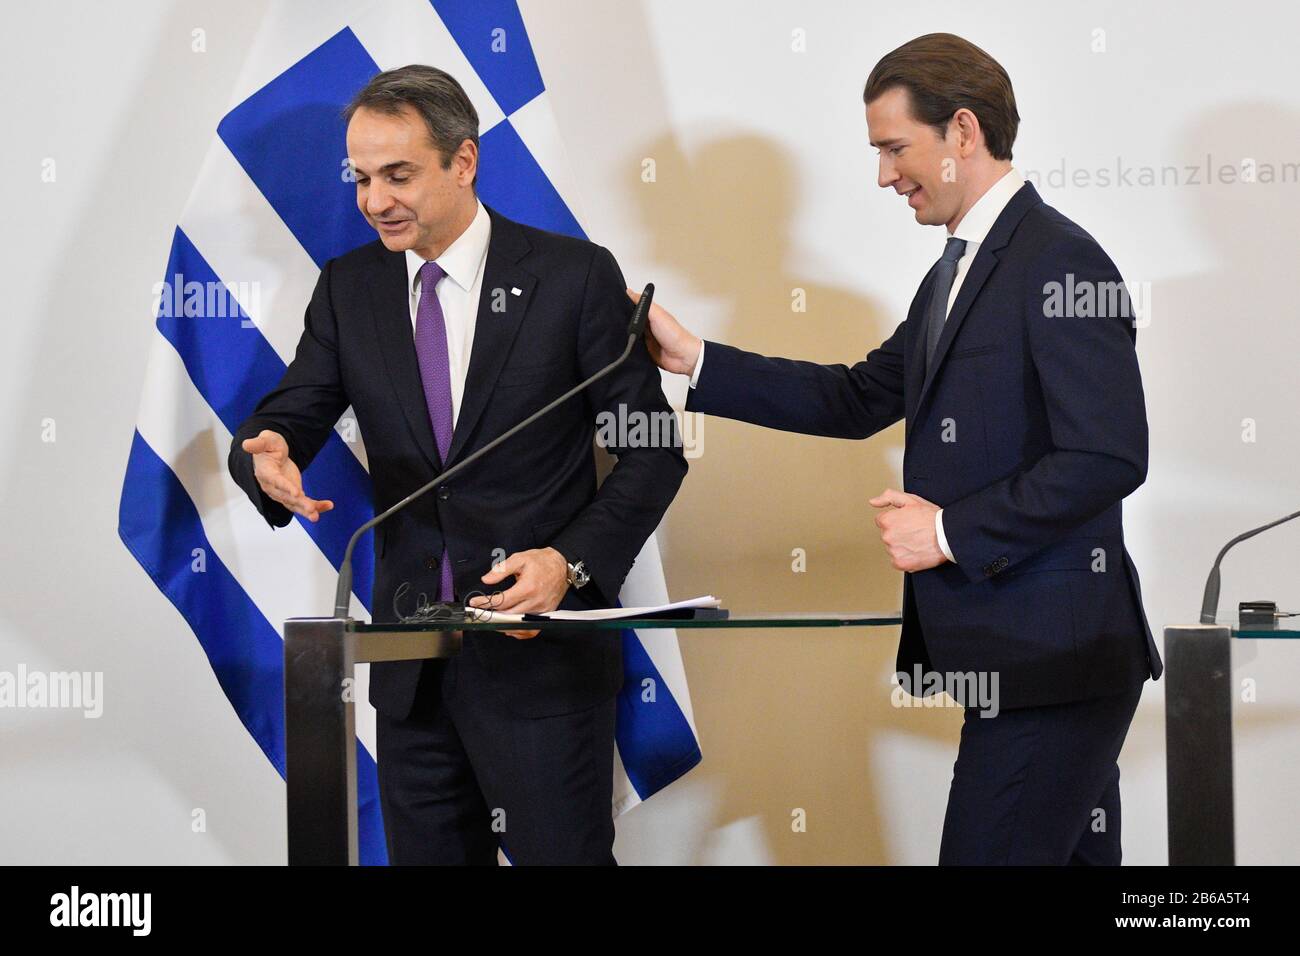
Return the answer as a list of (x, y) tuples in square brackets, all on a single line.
[(538, 489), (1029, 431)]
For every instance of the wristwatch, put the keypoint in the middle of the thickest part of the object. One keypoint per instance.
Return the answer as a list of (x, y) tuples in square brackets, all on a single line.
[(577, 576)]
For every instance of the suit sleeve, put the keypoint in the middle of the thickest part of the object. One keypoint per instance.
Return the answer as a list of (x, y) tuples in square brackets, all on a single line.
[(1091, 389), (834, 401), (303, 407), (608, 534)]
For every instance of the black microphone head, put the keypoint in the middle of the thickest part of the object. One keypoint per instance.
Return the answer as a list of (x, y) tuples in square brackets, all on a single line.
[(641, 314)]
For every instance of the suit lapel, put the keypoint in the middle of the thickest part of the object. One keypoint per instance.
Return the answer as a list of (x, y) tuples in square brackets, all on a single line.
[(390, 309), (494, 332), (506, 292), (986, 258), (914, 361)]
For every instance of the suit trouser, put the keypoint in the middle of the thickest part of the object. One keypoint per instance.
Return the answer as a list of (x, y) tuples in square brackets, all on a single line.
[(461, 776), (1039, 785)]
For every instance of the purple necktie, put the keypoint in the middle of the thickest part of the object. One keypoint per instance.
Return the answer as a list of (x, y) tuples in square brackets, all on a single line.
[(435, 373)]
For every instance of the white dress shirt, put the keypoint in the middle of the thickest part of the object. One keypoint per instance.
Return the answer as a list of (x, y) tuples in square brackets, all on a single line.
[(458, 294), (974, 228)]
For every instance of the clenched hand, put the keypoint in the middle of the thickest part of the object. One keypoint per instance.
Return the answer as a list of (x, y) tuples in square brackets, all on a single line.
[(907, 530), (672, 346)]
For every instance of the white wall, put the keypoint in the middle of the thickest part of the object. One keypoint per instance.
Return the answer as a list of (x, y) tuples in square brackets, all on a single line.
[(765, 183)]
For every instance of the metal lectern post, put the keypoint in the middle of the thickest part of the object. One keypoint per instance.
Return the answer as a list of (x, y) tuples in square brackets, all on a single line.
[(320, 744), (1198, 745)]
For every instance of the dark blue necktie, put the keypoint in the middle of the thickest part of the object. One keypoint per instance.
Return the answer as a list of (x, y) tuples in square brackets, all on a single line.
[(937, 308)]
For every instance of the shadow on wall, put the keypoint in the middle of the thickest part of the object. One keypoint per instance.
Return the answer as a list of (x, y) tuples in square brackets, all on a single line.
[(1219, 360), (788, 720), (1219, 351)]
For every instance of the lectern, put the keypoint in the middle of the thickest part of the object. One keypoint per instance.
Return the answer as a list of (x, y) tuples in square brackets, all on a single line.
[(320, 655), (1198, 738)]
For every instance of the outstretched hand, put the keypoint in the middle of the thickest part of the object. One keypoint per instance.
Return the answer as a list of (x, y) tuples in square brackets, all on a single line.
[(279, 477)]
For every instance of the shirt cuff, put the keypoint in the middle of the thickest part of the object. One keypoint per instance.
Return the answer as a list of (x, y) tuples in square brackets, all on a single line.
[(699, 364), (938, 533)]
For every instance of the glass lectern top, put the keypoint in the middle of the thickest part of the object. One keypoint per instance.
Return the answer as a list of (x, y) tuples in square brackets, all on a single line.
[(752, 620)]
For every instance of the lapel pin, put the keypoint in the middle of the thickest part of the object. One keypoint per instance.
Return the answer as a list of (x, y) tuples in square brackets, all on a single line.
[(514, 291)]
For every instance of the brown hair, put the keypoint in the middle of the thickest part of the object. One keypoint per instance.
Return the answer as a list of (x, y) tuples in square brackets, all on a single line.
[(943, 73)]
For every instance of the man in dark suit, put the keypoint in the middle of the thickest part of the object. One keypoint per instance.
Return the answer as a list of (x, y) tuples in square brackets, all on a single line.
[(454, 326), (1017, 377)]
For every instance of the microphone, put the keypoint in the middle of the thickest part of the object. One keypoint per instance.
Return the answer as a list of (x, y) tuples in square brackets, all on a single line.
[(635, 329), (1210, 600)]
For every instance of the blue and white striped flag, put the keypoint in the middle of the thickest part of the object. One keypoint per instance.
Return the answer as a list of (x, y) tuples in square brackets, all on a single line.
[(273, 202)]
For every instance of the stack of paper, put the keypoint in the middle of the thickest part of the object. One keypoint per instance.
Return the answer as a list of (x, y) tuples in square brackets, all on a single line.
[(596, 614)]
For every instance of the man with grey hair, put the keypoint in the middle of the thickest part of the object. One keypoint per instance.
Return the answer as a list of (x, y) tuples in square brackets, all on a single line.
[(451, 328)]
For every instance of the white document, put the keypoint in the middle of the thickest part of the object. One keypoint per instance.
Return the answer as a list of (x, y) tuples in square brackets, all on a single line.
[(598, 614)]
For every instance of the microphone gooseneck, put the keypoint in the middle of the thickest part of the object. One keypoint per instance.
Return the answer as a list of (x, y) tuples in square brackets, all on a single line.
[(1210, 599)]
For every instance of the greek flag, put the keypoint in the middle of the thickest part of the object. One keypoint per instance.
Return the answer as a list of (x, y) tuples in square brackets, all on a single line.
[(272, 204)]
